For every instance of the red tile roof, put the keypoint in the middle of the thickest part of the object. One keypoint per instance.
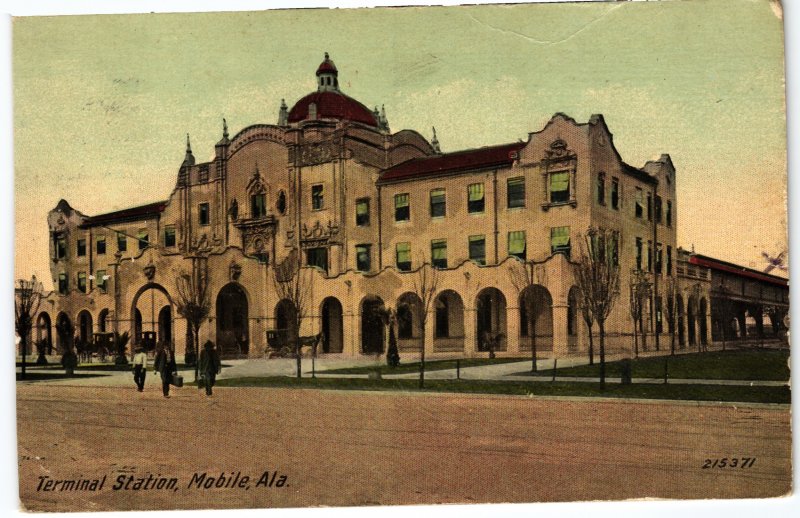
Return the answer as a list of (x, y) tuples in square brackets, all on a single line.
[(332, 105), (131, 214), (481, 158), (723, 266)]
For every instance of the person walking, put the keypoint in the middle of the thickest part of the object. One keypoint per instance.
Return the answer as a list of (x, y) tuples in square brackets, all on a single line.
[(165, 365), (209, 365), (139, 368)]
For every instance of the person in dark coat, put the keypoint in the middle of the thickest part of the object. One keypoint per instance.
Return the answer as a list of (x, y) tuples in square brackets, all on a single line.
[(209, 365), (165, 365)]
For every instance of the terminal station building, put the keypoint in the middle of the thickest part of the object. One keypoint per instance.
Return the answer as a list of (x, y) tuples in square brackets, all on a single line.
[(364, 209)]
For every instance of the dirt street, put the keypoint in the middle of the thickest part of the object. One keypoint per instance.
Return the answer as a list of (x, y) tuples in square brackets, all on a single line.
[(359, 448)]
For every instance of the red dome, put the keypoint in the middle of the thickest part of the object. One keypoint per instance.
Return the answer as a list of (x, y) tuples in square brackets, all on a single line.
[(332, 105)]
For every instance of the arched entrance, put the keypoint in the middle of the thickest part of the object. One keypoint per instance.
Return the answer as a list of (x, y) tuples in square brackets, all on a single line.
[(573, 318), (372, 325), (536, 318), (165, 324), (85, 329), (233, 333), (332, 326), (490, 305), (703, 316), (448, 329), (145, 317), (409, 322), (285, 315), (691, 317), (102, 321), (44, 332), (64, 331), (679, 319)]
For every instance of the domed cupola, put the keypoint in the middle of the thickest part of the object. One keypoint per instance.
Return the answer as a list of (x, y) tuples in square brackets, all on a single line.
[(328, 102), (327, 76)]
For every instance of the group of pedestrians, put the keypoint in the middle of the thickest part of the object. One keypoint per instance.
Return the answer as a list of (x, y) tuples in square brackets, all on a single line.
[(164, 365)]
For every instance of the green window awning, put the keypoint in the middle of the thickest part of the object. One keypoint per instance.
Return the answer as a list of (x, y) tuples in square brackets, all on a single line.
[(516, 242), (475, 191), (559, 236), (559, 182), (438, 249), (403, 252)]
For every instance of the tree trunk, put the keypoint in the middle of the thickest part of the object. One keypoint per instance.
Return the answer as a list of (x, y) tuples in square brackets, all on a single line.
[(601, 326), (635, 339), (24, 345), (591, 346), (299, 360), (422, 359), (196, 352)]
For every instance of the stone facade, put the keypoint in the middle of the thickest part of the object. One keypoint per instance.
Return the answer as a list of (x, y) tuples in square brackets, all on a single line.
[(365, 208)]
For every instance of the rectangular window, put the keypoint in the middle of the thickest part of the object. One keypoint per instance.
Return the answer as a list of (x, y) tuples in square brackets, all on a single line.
[(669, 260), (601, 188), (101, 245), (122, 242), (639, 202), (203, 214), (438, 203), (316, 197), (517, 245), (669, 213), (100, 280), (317, 257), (559, 187), (143, 238), (658, 208), (63, 284), (614, 248), (82, 282), (61, 248), (363, 258), (659, 257), (649, 256), (559, 241), (475, 198), (403, 256), (638, 253), (169, 235), (202, 174), (477, 249), (402, 211), (258, 205), (439, 253), (615, 193), (516, 192), (649, 207), (81, 248), (362, 212)]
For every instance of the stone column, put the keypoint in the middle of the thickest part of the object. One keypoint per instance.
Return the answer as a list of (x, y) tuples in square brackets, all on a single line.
[(560, 347), (470, 330)]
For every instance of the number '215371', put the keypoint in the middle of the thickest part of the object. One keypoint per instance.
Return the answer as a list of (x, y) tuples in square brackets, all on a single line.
[(733, 462)]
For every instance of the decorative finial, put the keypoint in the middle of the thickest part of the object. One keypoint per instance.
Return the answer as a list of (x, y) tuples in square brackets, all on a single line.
[(326, 56), (224, 128), (435, 141), (188, 145)]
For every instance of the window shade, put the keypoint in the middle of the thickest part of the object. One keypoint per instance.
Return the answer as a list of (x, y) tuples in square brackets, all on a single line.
[(516, 242), (475, 192), (559, 182), (401, 200), (559, 236)]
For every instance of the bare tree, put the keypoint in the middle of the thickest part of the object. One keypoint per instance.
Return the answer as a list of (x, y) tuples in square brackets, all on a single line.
[(597, 276), (588, 317), (425, 285), (194, 304), (670, 292), (524, 275), (639, 293), (294, 284), (27, 298)]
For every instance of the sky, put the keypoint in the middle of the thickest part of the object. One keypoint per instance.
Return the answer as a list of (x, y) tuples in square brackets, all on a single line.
[(102, 104)]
